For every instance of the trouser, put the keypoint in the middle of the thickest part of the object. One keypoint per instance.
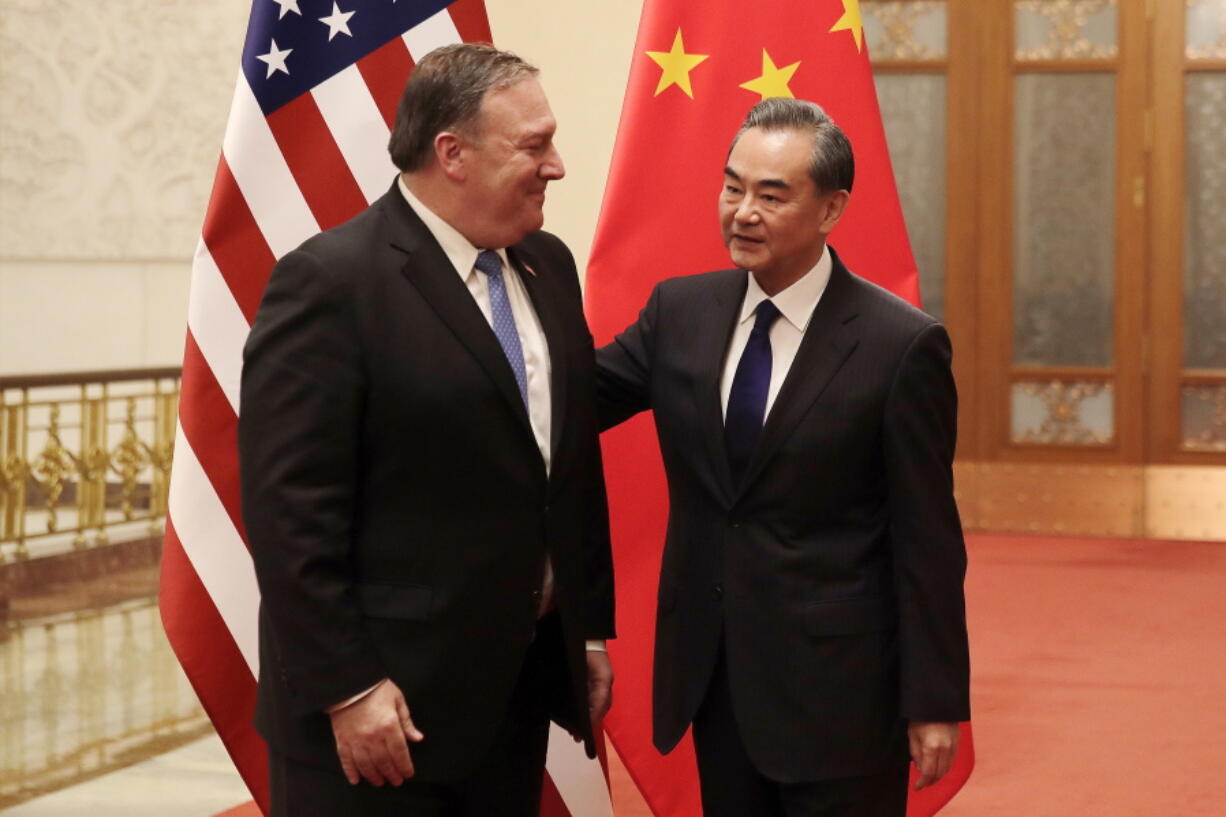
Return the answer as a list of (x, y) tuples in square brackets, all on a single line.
[(733, 787)]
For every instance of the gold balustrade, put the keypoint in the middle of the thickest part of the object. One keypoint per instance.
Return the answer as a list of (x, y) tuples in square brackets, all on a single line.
[(82, 453)]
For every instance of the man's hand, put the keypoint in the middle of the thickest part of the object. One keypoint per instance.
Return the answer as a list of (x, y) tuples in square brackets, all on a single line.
[(371, 737), (933, 747), (599, 686)]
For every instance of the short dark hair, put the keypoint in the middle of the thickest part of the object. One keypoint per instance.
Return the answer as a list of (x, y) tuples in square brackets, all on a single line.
[(832, 165), (444, 92)]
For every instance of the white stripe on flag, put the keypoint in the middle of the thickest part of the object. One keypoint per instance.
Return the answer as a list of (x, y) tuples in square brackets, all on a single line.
[(358, 128), (216, 322), (263, 175), (580, 779), (430, 34), (216, 551)]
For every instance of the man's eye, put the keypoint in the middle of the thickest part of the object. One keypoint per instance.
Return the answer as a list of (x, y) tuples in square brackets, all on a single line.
[(732, 191)]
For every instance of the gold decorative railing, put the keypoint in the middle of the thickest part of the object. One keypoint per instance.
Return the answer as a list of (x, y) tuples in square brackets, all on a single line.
[(82, 454)]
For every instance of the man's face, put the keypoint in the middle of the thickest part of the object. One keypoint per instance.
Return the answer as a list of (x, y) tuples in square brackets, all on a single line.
[(773, 220), (512, 159)]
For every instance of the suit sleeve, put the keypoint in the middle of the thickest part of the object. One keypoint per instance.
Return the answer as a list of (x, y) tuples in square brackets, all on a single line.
[(623, 368), (919, 436), (599, 621), (598, 614), (300, 409)]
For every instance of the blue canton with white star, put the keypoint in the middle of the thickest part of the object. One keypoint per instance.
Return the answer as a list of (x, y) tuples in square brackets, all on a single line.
[(293, 45)]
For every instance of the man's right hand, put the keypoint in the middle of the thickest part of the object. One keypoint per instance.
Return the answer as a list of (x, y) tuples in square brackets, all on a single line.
[(372, 737)]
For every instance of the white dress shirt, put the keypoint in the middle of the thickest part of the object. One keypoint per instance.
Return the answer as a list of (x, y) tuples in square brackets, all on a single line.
[(795, 305), (463, 256)]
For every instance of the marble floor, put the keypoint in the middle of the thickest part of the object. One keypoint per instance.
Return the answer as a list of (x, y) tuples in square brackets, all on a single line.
[(95, 712), (88, 685), (195, 780)]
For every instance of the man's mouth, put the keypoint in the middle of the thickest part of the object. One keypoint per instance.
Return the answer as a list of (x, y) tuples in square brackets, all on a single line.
[(746, 239)]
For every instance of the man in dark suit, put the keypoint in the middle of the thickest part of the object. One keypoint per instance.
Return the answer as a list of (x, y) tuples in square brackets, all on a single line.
[(810, 621), (421, 477)]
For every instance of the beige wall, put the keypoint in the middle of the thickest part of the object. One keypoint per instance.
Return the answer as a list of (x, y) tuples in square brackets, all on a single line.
[(583, 50), (111, 116)]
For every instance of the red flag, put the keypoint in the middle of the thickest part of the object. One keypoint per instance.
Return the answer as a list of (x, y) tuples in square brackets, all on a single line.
[(305, 149), (697, 68)]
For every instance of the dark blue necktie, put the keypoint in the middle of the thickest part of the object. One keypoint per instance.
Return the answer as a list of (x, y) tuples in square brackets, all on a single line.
[(747, 398), (503, 320)]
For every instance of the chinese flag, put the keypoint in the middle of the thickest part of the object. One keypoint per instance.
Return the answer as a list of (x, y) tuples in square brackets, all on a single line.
[(697, 68)]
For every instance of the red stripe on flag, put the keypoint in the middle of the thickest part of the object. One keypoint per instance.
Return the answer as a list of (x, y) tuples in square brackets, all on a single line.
[(211, 427), (552, 804), (316, 162), (236, 243), (213, 663), (386, 70), (471, 21)]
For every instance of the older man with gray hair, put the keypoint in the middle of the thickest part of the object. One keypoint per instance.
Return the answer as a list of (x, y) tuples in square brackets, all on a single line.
[(810, 621)]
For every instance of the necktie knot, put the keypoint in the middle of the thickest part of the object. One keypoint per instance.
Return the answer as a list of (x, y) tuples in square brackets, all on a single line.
[(767, 313), (489, 263)]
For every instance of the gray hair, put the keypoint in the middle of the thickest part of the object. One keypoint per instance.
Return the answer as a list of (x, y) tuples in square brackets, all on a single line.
[(832, 165), (444, 93)]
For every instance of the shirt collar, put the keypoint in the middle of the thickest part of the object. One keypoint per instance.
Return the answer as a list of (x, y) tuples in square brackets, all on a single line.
[(797, 302), (458, 249)]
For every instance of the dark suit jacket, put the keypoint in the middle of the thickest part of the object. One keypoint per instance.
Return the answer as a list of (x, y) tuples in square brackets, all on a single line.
[(395, 500), (833, 572)]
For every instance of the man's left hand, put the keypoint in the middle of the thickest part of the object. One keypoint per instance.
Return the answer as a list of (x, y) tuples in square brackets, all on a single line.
[(599, 686), (933, 747)]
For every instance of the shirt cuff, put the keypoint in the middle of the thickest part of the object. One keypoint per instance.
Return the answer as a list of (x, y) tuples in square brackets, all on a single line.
[(350, 701), (596, 645)]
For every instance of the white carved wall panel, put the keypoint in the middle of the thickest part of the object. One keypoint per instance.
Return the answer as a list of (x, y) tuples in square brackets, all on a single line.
[(111, 116)]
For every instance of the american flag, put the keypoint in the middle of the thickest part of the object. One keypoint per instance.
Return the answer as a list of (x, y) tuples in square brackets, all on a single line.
[(305, 149)]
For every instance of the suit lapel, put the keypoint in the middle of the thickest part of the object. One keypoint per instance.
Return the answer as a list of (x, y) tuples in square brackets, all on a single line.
[(718, 320), (828, 341), (543, 301), (431, 272)]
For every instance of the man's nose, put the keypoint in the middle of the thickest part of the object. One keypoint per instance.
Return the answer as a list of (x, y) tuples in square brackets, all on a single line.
[(552, 168), (747, 210)]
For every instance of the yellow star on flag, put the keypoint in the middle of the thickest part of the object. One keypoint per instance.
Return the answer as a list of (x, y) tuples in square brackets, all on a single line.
[(774, 81), (677, 66), (851, 21)]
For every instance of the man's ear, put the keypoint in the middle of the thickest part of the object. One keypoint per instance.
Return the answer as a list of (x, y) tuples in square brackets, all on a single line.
[(450, 154), (835, 204)]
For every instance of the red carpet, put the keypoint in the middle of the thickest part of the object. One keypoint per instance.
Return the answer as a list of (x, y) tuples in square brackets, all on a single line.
[(1099, 678), (1099, 681), (245, 810)]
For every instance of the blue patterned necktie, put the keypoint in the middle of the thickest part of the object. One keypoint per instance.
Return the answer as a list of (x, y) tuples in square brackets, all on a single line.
[(503, 319), (747, 398)]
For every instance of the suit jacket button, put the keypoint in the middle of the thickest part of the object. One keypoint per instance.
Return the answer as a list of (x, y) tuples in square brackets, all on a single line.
[(536, 595), (718, 590)]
